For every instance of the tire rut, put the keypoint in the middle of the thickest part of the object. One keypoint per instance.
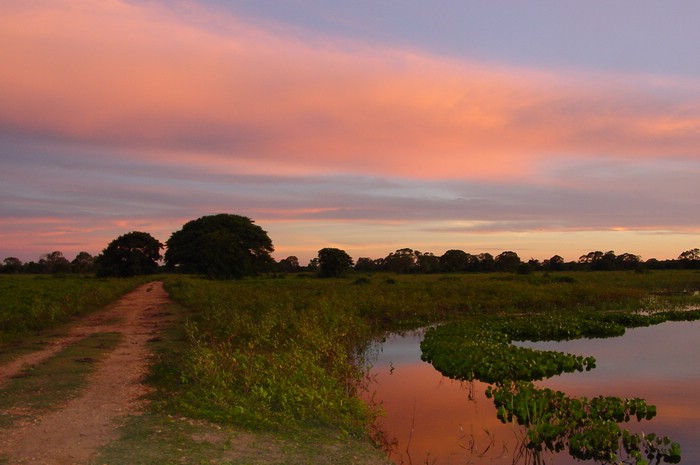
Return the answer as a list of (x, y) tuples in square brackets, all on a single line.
[(73, 433)]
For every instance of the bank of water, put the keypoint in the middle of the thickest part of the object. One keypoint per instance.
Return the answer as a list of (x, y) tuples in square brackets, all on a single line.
[(432, 419)]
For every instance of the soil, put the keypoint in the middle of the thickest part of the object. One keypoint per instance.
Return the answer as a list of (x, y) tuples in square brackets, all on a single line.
[(74, 432)]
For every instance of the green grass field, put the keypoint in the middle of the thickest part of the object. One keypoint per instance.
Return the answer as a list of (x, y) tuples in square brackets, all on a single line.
[(30, 303)]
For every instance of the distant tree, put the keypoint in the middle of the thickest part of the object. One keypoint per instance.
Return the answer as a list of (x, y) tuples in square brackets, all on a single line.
[(83, 263), (313, 264), (11, 265), (333, 262), (599, 261), (289, 264), (507, 261), (608, 262), (591, 257), (692, 254), (556, 263), (365, 265), (690, 259), (134, 253), (486, 262), (380, 263), (454, 260), (34, 267), (402, 261), (655, 264), (427, 262), (628, 261), (55, 262), (222, 246)]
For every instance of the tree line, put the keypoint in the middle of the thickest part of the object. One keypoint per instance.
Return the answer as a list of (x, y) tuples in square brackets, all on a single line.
[(227, 246)]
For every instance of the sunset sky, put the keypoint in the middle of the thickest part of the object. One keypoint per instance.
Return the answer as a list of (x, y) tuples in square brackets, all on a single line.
[(544, 127)]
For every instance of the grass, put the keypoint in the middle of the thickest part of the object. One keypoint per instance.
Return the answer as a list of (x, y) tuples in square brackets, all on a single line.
[(30, 303), (45, 386), (159, 439)]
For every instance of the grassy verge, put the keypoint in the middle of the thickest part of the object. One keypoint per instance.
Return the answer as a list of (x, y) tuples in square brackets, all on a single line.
[(157, 438)]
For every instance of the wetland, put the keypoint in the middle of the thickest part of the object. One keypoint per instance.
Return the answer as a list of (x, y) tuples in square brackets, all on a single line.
[(432, 418)]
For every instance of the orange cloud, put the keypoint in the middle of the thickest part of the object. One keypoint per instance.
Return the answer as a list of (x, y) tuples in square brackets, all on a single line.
[(179, 81)]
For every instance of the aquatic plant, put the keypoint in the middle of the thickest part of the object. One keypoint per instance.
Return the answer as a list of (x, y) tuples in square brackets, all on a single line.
[(588, 428), (482, 349)]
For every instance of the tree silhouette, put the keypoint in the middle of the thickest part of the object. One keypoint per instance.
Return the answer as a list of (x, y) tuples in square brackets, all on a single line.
[(333, 262), (131, 254), (222, 246)]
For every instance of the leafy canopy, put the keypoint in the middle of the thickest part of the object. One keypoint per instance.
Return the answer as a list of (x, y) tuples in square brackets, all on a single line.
[(333, 262), (222, 246), (131, 254)]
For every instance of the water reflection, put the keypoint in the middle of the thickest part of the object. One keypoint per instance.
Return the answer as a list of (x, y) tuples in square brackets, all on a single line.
[(432, 419)]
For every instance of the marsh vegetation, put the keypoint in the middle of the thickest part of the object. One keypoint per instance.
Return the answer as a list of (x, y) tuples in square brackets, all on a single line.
[(289, 353)]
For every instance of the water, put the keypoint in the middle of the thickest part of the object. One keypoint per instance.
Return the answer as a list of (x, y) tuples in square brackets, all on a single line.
[(432, 419)]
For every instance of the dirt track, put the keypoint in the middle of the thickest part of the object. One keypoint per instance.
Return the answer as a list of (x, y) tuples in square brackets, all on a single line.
[(73, 433)]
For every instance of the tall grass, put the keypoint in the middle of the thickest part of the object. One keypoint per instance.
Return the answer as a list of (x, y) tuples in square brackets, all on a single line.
[(265, 355), (271, 353)]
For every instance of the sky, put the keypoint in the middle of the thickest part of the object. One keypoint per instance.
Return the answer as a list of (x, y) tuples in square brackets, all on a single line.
[(549, 127)]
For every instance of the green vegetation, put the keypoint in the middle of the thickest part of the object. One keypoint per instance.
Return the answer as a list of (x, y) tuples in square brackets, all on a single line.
[(265, 354), (283, 356), (156, 438), (41, 387), (131, 254), (481, 347), (333, 262), (588, 428), (32, 303), (220, 246), (273, 353)]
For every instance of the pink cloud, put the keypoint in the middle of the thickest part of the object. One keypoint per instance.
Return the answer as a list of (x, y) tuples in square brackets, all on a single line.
[(29, 238), (178, 82)]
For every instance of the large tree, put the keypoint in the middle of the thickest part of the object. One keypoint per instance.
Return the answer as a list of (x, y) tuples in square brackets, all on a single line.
[(222, 246), (507, 261), (455, 260), (333, 262), (131, 254)]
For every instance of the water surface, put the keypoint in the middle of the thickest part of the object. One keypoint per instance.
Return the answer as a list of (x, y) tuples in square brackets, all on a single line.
[(435, 420)]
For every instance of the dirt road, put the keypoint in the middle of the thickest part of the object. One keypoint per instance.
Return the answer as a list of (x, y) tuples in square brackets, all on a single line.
[(73, 433)]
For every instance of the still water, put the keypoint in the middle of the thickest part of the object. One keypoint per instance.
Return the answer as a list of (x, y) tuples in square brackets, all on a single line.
[(431, 419)]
